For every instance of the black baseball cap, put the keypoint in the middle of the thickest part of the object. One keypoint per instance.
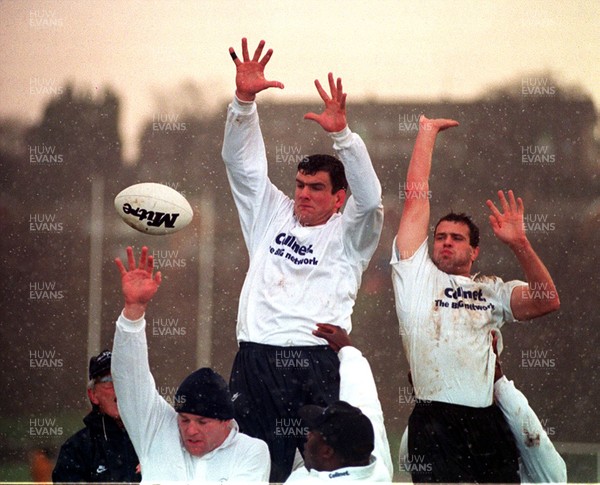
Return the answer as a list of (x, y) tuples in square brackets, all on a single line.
[(100, 364), (344, 427)]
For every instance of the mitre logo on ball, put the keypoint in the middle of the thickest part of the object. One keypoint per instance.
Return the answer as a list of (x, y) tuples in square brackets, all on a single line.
[(153, 208)]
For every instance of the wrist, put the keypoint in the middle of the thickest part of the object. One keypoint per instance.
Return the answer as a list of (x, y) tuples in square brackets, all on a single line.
[(245, 97), (520, 245), (134, 311)]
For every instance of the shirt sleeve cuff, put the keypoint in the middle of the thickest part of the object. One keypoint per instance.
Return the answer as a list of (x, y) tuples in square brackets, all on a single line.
[(243, 107), (342, 139), (131, 325), (348, 352)]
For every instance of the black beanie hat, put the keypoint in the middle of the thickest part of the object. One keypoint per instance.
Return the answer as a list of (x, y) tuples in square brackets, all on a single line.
[(204, 393)]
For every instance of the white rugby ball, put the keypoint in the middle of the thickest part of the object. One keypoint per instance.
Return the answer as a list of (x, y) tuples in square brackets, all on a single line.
[(153, 208)]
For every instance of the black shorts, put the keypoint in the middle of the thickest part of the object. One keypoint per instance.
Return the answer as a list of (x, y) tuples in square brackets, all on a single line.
[(453, 443), (270, 383)]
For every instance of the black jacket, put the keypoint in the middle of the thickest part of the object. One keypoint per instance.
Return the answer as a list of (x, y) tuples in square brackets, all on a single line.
[(100, 452)]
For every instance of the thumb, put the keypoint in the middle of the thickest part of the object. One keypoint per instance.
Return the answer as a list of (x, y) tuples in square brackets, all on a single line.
[(312, 116), (275, 84)]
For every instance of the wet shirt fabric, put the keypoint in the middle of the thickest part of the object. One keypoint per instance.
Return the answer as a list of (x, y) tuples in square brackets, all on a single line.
[(298, 275), (445, 323)]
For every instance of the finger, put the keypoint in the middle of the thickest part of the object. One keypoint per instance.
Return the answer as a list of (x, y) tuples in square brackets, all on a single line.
[(266, 58), (150, 264), (258, 51), (143, 258), (343, 102), (130, 258), (520, 206), (512, 202), (494, 223), (493, 208), (326, 327), (234, 56), (339, 88), (158, 278), (503, 201), (321, 91), (120, 266), (245, 55), (332, 87)]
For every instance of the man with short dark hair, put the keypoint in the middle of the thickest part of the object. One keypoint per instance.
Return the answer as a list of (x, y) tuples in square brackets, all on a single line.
[(347, 440), (102, 451), (198, 441), (446, 317), (306, 261)]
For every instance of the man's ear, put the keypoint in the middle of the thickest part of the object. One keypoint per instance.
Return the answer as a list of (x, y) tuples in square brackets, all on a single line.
[(327, 451), (92, 395), (475, 254), (340, 199)]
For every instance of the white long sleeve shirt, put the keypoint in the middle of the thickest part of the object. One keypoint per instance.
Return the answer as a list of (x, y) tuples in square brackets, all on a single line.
[(357, 387), (298, 275), (540, 462), (152, 424)]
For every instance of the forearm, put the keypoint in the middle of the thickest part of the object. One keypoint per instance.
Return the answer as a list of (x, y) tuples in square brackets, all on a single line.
[(539, 296), (134, 385), (360, 174), (414, 222)]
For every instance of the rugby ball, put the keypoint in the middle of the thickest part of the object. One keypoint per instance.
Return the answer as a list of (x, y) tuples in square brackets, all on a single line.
[(153, 208)]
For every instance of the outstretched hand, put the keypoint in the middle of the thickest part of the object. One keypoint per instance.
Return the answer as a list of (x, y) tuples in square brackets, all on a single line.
[(336, 336), (333, 117), (435, 125), (508, 226), (250, 74), (138, 283)]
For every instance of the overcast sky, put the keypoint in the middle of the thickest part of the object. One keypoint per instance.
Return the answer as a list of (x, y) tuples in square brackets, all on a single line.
[(382, 49)]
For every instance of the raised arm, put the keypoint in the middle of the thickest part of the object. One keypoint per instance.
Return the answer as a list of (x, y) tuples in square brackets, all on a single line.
[(141, 406), (539, 296), (363, 214), (414, 222), (357, 386), (243, 150)]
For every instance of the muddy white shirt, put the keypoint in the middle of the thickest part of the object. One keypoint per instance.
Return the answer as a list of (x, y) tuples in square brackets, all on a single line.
[(357, 387), (445, 323), (298, 275), (152, 424)]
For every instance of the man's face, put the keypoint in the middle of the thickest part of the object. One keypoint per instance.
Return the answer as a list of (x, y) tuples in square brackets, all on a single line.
[(201, 435), (103, 395), (314, 203), (452, 252), (313, 449)]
